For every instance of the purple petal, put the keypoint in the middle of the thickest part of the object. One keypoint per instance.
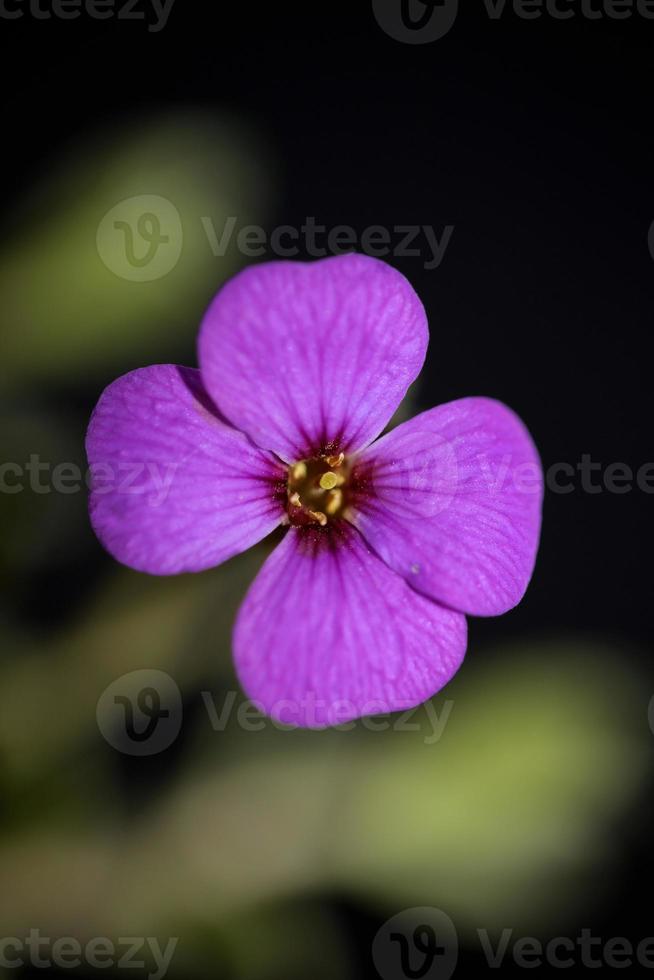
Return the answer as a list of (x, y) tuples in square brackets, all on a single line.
[(313, 356), (452, 501), (175, 489), (328, 633)]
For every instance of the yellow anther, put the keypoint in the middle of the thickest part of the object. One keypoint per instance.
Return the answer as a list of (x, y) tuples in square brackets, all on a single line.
[(334, 502), (315, 483), (328, 481)]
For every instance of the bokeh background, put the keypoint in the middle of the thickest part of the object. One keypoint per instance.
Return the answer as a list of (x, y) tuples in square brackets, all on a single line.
[(279, 854)]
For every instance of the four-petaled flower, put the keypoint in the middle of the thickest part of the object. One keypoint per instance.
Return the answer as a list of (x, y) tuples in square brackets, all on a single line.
[(360, 608)]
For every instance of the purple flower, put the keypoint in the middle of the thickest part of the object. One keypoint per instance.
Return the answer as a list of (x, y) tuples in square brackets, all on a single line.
[(360, 608)]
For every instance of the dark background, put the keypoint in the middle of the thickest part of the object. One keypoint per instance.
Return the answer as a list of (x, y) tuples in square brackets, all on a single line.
[(532, 138)]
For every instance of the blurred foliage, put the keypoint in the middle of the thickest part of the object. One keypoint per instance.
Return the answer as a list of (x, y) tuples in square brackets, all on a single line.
[(181, 625), (511, 815), (507, 819), (64, 311)]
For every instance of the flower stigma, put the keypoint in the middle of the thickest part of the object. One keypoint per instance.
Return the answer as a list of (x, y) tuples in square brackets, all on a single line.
[(317, 490)]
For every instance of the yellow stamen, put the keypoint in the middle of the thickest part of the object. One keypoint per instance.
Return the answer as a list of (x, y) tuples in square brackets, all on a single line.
[(334, 501), (295, 500), (335, 461), (328, 481), (299, 471), (319, 516)]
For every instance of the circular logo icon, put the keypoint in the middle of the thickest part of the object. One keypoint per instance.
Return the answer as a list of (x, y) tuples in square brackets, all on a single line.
[(140, 713), (141, 238), (418, 943), (418, 477), (415, 21)]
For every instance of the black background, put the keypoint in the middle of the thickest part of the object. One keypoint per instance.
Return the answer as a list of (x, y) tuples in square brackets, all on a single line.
[(534, 139)]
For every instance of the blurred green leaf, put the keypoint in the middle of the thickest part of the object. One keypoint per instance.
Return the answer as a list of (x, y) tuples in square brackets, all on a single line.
[(510, 815), (506, 819), (51, 686), (64, 310)]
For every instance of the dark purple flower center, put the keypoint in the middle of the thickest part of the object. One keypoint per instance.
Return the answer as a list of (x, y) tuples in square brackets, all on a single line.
[(317, 490)]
